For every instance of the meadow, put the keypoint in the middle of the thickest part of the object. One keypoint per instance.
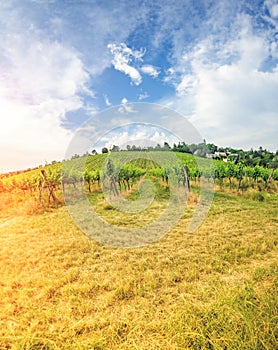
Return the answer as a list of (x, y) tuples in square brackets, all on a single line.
[(215, 288)]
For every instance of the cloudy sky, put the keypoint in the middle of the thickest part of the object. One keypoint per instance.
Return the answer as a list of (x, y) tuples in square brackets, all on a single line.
[(64, 61)]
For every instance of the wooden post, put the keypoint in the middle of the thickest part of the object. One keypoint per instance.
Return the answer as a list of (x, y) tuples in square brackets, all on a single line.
[(269, 178), (186, 177)]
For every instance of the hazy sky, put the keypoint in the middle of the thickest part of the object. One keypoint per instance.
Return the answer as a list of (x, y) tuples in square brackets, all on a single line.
[(215, 62)]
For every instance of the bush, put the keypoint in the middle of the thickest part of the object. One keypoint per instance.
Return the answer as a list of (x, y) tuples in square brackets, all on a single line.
[(258, 197)]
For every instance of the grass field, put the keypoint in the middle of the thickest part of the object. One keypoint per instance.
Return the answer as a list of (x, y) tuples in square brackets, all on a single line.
[(214, 289)]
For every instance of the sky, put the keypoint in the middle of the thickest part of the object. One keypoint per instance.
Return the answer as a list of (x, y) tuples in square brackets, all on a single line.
[(62, 62)]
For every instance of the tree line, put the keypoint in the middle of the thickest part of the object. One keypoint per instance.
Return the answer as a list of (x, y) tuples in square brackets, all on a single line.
[(261, 157)]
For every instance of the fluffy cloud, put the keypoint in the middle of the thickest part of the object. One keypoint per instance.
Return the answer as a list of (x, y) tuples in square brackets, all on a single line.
[(47, 59), (143, 95), (227, 96), (272, 7), (125, 108), (220, 56), (41, 81), (139, 135), (150, 70), (122, 57), (107, 102)]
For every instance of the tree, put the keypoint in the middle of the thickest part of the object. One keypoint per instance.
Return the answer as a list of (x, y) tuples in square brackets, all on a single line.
[(104, 150), (166, 146), (73, 157), (115, 148), (211, 148)]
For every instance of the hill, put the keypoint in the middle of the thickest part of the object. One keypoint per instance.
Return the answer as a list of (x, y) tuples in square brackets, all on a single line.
[(213, 289)]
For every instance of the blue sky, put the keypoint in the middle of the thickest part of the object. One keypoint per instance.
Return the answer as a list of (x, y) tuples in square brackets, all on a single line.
[(62, 62)]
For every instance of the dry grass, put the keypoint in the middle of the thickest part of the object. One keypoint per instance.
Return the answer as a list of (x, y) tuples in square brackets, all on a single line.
[(214, 289)]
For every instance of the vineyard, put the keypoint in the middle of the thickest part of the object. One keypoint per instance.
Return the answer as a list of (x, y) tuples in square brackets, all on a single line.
[(46, 184), (66, 288)]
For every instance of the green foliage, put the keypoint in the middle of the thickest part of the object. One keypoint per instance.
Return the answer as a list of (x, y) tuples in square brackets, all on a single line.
[(258, 197), (130, 173)]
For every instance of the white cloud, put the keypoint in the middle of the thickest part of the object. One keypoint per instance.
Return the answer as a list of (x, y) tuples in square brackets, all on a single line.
[(272, 7), (31, 134), (274, 11), (231, 103), (139, 135), (38, 70), (125, 108), (106, 99), (49, 54), (122, 57), (150, 70), (46, 56), (187, 83), (143, 96), (40, 82)]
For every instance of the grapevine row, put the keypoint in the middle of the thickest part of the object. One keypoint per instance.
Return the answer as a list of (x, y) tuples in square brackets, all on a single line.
[(55, 177)]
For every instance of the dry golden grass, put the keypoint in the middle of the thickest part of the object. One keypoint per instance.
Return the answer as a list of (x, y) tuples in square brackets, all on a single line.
[(214, 289)]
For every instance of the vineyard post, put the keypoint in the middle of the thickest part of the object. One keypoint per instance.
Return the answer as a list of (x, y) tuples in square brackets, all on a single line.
[(269, 179), (41, 187), (240, 175), (110, 172), (186, 177)]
